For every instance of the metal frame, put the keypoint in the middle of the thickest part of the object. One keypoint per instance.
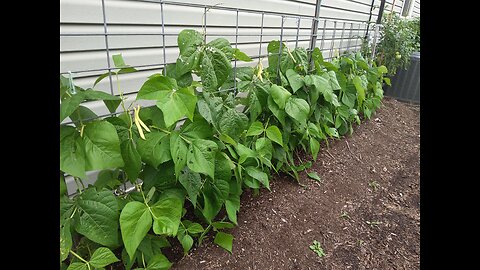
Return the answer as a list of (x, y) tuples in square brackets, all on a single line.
[(312, 37)]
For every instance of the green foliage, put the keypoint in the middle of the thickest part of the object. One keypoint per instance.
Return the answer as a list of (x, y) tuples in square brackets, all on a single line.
[(198, 149), (414, 25), (224, 240), (135, 222), (317, 248), (399, 38), (374, 185), (314, 176), (100, 258), (97, 213)]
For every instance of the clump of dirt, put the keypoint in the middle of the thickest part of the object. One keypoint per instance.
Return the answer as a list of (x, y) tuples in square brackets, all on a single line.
[(365, 212)]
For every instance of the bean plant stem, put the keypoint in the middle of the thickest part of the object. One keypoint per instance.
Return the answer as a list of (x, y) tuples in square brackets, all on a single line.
[(81, 122), (78, 256), (78, 186), (145, 201), (130, 133), (73, 213), (205, 231), (161, 129), (143, 195), (185, 139)]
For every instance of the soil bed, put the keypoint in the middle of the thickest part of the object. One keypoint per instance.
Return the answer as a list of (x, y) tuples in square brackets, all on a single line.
[(365, 212)]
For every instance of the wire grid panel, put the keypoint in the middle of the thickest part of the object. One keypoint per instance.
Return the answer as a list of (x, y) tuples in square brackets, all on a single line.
[(149, 48)]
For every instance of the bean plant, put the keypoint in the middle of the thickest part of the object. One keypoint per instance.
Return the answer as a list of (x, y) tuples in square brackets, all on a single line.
[(190, 157)]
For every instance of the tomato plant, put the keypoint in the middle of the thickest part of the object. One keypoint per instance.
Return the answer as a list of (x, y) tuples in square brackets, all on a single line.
[(399, 38)]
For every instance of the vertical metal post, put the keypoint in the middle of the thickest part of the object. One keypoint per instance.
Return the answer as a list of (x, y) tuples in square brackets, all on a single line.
[(261, 39), (280, 51), (367, 25), (323, 34), (298, 32), (313, 35), (370, 15), (368, 37), (163, 39), (350, 36), (205, 24), (235, 68), (333, 39), (380, 12), (358, 36), (374, 45), (106, 46), (341, 39)]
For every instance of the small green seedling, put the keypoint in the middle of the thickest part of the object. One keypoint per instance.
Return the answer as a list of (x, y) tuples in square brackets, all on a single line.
[(374, 223), (374, 184), (345, 215), (317, 248)]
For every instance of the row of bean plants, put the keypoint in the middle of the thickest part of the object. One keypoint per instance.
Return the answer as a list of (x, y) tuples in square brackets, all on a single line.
[(191, 156)]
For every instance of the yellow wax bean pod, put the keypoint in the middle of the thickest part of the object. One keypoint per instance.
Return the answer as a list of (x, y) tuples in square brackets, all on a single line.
[(137, 123), (259, 70), (140, 120)]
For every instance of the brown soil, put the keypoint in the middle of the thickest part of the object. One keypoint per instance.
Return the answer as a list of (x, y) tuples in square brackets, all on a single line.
[(380, 228)]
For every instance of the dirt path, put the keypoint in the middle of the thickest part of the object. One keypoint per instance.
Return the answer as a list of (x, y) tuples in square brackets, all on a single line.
[(379, 229)]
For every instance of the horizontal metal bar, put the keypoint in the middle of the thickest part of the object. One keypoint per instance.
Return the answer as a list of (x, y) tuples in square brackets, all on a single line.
[(119, 191), (358, 2), (331, 19), (137, 66), (294, 40), (346, 9), (331, 28), (320, 35), (346, 38), (220, 91), (183, 26), (176, 34), (128, 190), (97, 117), (109, 69), (171, 34), (328, 19), (158, 46)]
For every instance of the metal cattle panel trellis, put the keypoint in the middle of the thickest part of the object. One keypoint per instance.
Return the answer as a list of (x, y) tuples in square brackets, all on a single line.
[(259, 27)]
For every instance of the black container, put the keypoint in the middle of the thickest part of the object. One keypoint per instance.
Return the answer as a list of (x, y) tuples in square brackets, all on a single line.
[(406, 83)]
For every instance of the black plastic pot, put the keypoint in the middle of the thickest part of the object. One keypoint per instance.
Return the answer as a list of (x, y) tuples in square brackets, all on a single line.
[(406, 83)]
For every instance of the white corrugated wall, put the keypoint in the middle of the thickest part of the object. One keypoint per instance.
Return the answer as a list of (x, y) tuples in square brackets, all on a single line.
[(416, 9), (84, 52), (399, 4)]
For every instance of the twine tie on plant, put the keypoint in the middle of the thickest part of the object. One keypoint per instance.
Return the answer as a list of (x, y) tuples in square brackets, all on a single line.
[(72, 86)]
